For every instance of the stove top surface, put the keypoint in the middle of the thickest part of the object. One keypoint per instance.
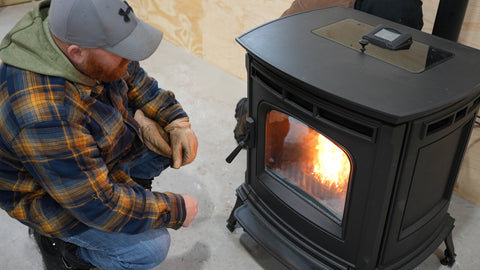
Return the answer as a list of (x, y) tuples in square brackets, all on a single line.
[(321, 49)]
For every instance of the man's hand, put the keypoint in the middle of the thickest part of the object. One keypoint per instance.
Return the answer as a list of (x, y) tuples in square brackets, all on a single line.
[(154, 136), (191, 205), (177, 141), (183, 142)]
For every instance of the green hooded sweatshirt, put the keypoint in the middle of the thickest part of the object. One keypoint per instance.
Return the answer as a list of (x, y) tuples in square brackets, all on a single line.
[(30, 46)]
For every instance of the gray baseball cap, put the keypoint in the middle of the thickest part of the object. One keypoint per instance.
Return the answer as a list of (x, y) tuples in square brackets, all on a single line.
[(107, 24)]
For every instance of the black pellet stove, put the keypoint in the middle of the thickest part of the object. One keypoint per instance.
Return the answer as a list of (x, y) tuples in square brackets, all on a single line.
[(353, 152)]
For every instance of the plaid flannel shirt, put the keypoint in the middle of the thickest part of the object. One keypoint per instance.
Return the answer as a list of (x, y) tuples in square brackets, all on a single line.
[(63, 146)]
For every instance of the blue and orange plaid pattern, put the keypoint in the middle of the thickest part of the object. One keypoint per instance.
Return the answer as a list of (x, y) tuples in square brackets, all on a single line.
[(63, 146)]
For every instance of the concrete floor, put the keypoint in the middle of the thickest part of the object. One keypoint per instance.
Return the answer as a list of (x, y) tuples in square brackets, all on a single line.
[(209, 95)]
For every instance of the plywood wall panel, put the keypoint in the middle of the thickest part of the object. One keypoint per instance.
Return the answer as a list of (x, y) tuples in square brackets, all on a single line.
[(429, 12), (227, 20), (180, 20), (207, 28)]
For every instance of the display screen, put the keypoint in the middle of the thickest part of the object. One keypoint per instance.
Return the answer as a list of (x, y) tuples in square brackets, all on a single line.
[(387, 35)]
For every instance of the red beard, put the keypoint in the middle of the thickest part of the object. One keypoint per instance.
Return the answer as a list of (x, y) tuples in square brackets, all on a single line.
[(96, 70)]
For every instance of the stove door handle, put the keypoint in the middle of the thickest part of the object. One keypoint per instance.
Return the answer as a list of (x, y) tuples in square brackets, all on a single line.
[(245, 143), (235, 151)]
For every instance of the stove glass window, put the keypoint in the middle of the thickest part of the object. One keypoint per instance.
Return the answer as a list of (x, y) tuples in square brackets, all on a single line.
[(309, 162)]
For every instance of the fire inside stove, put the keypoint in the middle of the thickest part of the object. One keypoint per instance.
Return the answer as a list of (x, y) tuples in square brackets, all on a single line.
[(307, 161)]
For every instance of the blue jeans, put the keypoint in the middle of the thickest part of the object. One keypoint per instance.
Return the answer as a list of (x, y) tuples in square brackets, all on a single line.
[(148, 166), (107, 250)]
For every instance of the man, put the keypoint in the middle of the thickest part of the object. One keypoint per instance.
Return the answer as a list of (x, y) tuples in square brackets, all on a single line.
[(77, 114)]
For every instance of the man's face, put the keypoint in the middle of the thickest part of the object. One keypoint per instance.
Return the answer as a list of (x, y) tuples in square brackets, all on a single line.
[(104, 66)]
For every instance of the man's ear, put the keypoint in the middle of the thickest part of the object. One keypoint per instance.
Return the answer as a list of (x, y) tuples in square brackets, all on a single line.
[(76, 54)]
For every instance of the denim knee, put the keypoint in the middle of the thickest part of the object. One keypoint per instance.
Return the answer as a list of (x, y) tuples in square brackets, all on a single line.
[(156, 252), (130, 252), (146, 255)]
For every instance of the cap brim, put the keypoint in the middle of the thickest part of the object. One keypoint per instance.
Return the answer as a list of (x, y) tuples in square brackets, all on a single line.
[(142, 42)]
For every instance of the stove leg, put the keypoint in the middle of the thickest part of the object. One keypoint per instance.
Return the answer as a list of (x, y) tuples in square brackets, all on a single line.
[(449, 252), (232, 221)]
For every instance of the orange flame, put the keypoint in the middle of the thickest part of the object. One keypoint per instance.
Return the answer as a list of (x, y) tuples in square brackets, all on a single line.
[(308, 159), (331, 166)]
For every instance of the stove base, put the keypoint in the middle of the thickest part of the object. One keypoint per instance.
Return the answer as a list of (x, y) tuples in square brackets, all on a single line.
[(288, 249)]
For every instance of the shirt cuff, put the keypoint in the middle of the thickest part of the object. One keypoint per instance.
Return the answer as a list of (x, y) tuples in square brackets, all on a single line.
[(178, 211)]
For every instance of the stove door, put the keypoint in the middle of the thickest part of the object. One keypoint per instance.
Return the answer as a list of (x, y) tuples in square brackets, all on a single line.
[(309, 162)]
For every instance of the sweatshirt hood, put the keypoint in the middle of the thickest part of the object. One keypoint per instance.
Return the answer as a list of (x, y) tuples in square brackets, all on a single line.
[(30, 46)]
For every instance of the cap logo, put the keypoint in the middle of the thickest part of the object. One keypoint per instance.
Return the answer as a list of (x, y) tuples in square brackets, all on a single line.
[(125, 13)]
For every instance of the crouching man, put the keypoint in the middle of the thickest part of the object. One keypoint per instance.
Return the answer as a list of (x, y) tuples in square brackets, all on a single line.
[(84, 131)]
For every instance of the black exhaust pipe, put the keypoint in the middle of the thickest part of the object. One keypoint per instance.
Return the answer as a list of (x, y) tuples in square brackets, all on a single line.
[(449, 19)]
